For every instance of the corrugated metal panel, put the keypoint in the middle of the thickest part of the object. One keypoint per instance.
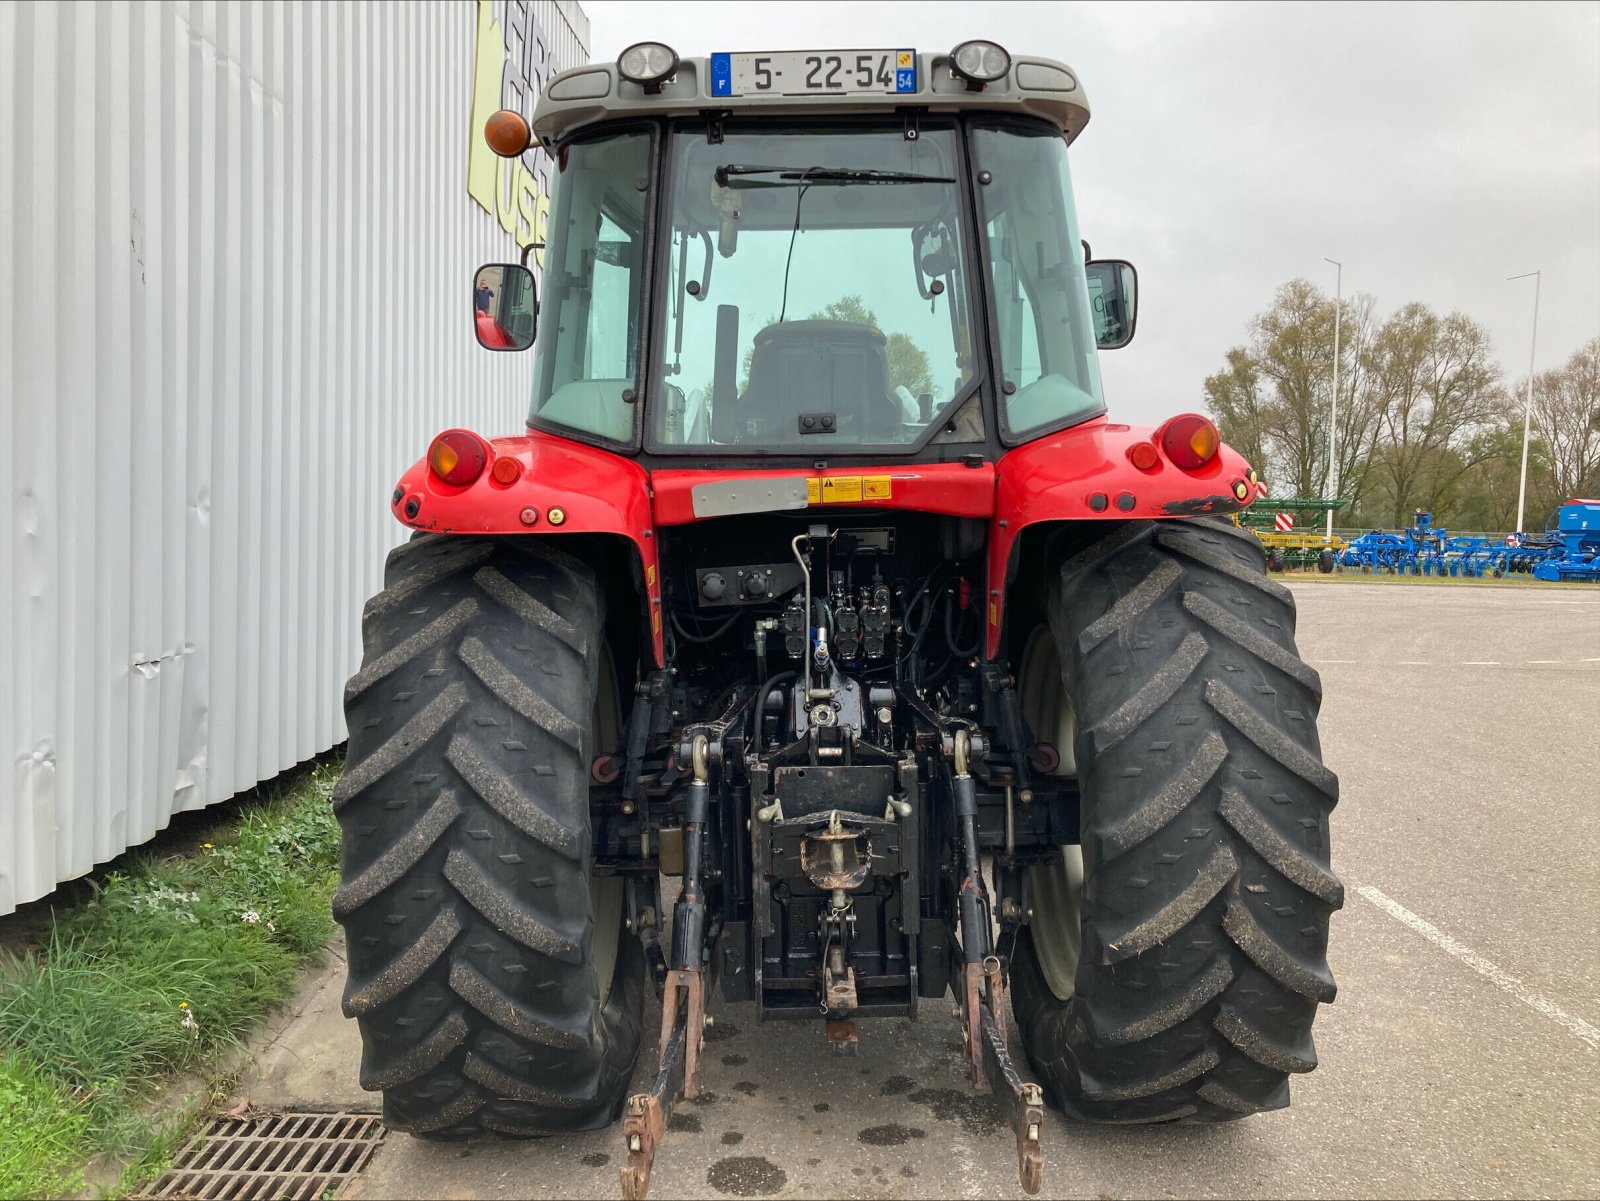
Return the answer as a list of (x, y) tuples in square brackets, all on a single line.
[(236, 246)]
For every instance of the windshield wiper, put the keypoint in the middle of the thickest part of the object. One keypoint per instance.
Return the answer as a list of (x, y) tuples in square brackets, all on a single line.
[(728, 175)]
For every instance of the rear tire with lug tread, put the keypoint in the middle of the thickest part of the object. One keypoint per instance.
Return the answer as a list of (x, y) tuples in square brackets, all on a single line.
[(1207, 888), (467, 900)]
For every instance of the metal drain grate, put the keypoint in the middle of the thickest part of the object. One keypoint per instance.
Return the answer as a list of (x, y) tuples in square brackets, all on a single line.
[(284, 1157)]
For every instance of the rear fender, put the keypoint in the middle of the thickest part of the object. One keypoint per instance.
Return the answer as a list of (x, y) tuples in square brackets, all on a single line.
[(1084, 474), (562, 488)]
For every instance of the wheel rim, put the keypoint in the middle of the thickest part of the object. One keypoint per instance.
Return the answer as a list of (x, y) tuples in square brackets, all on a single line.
[(605, 892), (1055, 891)]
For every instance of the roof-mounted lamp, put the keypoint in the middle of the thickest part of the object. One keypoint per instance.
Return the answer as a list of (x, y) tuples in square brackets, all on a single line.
[(980, 63)]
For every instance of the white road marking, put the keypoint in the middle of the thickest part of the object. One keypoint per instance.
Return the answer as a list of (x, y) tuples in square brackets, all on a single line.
[(1411, 663), (1543, 661), (1490, 971), (1481, 663)]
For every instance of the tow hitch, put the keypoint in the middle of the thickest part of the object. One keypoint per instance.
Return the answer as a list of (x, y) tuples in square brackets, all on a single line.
[(683, 1004), (644, 1121), (836, 855), (983, 995)]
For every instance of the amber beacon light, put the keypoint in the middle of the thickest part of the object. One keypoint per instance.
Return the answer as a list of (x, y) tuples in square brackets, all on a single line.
[(507, 133)]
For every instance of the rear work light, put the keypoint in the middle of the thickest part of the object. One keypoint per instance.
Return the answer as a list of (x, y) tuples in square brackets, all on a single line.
[(458, 457), (980, 62), (648, 63), (1190, 441)]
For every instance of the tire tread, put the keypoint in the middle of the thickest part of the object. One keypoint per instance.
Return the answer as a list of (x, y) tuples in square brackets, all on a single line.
[(1208, 887)]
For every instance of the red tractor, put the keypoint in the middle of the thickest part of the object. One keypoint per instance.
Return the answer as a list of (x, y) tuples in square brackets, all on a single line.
[(821, 585)]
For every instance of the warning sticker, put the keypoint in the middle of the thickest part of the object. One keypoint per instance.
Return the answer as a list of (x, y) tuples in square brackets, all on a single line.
[(848, 489), (650, 576), (841, 489)]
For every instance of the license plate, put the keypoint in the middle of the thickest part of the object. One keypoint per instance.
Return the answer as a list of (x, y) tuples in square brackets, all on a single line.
[(815, 73)]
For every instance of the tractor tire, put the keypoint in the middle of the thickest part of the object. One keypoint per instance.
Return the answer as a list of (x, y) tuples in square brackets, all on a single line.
[(1173, 971), (1325, 562), (493, 983)]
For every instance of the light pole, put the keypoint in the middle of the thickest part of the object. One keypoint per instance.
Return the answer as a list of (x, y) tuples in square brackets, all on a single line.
[(1527, 404), (1333, 412)]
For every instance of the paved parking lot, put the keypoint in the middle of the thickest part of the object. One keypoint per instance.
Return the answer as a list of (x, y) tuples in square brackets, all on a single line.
[(1462, 1057)]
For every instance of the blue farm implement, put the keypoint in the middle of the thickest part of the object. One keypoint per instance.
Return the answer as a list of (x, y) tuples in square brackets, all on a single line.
[(1568, 550), (1419, 549), (1576, 538)]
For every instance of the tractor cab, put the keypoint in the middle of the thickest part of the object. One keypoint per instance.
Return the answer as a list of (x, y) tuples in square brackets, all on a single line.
[(782, 255)]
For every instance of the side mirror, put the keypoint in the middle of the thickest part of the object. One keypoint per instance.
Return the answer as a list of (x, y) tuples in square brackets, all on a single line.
[(1113, 301), (505, 306)]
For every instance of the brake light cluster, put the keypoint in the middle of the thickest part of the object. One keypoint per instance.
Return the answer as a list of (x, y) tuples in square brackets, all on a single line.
[(457, 457), (1190, 441)]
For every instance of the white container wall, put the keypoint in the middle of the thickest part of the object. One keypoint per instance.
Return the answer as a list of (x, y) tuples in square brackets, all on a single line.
[(236, 251)]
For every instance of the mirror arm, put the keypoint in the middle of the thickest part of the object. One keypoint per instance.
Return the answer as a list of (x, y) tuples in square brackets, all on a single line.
[(705, 277), (917, 235), (529, 249)]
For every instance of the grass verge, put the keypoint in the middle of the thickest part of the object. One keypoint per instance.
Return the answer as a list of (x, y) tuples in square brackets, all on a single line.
[(160, 972)]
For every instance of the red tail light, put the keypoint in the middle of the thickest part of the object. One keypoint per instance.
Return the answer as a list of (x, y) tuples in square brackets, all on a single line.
[(1143, 456), (458, 457), (1190, 441)]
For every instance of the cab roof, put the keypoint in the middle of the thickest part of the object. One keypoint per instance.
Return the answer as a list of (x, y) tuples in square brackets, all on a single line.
[(584, 96)]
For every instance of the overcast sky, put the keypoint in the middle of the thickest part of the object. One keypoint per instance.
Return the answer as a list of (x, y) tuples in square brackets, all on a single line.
[(1435, 148)]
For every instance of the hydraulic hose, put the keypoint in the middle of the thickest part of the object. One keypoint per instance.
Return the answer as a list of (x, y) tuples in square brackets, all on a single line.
[(777, 681), (704, 638), (950, 631)]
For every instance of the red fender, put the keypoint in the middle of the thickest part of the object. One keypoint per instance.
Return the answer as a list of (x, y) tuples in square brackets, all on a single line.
[(585, 489), (1079, 474), (1084, 474)]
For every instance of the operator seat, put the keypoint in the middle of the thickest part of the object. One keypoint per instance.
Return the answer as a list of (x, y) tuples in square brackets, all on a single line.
[(818, 367)]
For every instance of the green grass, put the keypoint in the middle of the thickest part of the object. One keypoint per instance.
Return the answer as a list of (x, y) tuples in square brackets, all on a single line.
[(161, 971), (42, 1130)]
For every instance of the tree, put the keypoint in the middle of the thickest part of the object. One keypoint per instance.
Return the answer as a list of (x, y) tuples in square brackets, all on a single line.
[(1272, 399), (1424, 418), (1435, 386), (1487, 501), (1293, 350), (1566, 415), (1234, 398)]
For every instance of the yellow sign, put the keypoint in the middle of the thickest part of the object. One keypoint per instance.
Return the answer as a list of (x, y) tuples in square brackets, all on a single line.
[(516, 191), (903, 58), (848, 489)]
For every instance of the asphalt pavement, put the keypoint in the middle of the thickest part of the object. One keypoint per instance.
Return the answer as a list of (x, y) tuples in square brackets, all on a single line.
[(1461, 1059)]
